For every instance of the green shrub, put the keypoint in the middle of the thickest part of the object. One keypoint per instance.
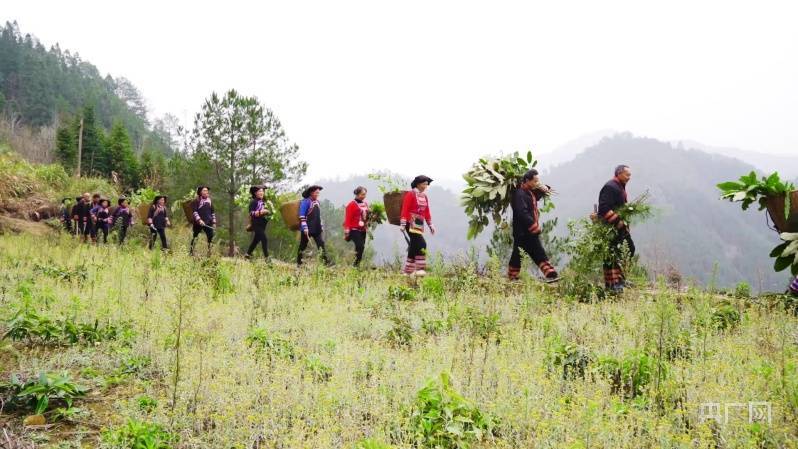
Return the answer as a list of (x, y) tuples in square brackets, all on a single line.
[(725, 316), (572, 359), (742, 290), (401, 293), (319, 371), (442, 418), (401, 334), (272, 344), (41, 393), (631, 374), (139, 435)]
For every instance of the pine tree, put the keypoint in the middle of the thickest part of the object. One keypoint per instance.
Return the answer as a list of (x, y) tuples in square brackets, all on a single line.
[(93, 157), (120, 156), (66, 146)]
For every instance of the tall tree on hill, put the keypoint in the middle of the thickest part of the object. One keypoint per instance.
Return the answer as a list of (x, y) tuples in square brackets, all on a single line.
[(93, 156), (121, 159), (66, 147), (232, 134)]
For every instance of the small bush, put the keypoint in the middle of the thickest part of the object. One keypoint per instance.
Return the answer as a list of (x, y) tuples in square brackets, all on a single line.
[(272, 344), (42, 393), (725, 316), (442, 418), (401, 334), (631, 374), (139, 435), (401, 293), (571, 358), (320, 371)]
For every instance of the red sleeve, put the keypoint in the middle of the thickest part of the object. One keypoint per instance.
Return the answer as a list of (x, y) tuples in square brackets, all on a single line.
[(351, 218), (406, 205)]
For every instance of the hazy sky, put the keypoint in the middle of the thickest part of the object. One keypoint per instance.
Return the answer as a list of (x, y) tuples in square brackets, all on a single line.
[(428, 86)]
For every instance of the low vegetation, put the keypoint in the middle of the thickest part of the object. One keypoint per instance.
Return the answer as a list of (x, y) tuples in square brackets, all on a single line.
[(135, 349)]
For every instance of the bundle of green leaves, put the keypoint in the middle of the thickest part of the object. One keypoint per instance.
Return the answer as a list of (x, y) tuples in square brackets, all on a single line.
[(376, 217), (442, 418), (145, 195), (637, 210), (490, 184), (749, 190), (270, 199), (786, 254)]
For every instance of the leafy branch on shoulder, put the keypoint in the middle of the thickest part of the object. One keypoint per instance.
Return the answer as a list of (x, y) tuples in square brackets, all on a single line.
[(491, 182)]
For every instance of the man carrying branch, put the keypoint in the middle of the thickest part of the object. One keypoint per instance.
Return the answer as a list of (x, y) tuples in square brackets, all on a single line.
[(527, 227), (611, 198)]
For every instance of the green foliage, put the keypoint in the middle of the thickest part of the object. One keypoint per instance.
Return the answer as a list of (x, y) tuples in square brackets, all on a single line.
[(442, 418), (274, 345), (41, 393), (146, 404), (401, 334), (786, 254), (749, 189), (41, 87), (725, 316), (571, 358), (632, 373), (490, 185), (121, 159), (371, 443), (78, 273), (318, 370), (28, 325), (742, 290), (389, 183), (144, 195), (376, 217), (401, 293), (139, 435)]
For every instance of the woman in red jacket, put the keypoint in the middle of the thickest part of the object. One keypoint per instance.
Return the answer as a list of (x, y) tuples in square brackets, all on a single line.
[(415, 213), (355, 222)]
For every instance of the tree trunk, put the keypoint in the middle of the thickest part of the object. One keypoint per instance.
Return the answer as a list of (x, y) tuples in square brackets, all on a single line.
[(231, 224)]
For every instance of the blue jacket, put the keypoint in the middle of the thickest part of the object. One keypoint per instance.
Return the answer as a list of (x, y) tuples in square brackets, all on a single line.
[(310, 216)]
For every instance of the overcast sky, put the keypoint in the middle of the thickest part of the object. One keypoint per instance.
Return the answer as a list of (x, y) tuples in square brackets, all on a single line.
[(428, 86)]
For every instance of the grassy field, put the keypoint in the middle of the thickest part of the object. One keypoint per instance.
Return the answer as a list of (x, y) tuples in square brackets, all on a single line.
[(221, 353)]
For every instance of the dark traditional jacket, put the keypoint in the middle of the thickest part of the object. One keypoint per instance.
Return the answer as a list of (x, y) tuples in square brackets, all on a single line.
[(611, 197), (526, 217), (157, 217), (103, 217), (123, 216), (310, 216), (258, 221), (82, 212), (203, 210)]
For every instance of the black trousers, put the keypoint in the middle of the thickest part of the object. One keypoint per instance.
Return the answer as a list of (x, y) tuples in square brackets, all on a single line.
[(154, 233), (417, 246), (531, 245), (84, 229), (359, 239), (197, 229), (303, 245), (102, 228), (122, 234), (258, 236)]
